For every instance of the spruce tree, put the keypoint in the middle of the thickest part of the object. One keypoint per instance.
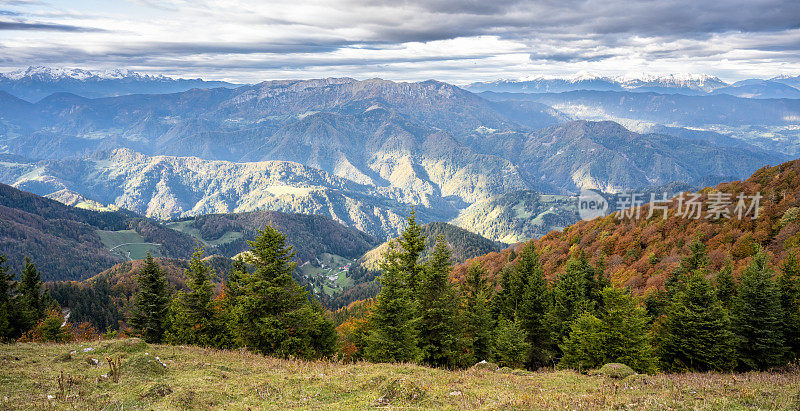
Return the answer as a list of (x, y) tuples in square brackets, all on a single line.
[(534, 308), (696, 331), (151, 302), (7, 291), (439, 326), (273, 314), (758, 317), (789, 288), (412, 243), (620, 334), (33, 303), (726, 286), (193, 317), (583, 348), (570, 297), (479, 324), (393, 323), (510, 348)]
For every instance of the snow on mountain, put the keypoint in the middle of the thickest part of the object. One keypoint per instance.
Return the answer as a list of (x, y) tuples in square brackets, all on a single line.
[(36, 82)]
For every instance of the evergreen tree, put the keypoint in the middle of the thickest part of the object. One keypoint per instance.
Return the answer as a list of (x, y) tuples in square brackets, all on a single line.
[(7, 308), (696, 331), (151, 302), (413, 243), (510, 347), (758, 317), (534, 307), (726, 286), (789, 288), (439, 320), (33, 303), (479, 323), (583, 348), (273, 314), (696, 261), (570, 297), (620, 334), (193, 315), (393, 322)]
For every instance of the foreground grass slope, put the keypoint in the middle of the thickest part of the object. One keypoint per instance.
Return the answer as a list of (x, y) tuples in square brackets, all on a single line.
[(38, 376)]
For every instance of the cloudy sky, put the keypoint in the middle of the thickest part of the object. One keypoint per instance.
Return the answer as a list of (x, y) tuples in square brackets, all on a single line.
[(451, 40)]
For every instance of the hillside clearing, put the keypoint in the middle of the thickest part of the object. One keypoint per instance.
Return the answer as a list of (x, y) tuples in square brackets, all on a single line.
[(204, 378)]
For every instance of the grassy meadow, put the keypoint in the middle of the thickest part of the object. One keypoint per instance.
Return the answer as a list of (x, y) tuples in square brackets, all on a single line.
[(79, 376)]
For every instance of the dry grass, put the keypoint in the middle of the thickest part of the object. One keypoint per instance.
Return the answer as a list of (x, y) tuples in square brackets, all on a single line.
[(36, 376)]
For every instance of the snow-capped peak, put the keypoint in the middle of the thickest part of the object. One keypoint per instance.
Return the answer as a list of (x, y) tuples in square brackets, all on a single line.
[(43, 73)]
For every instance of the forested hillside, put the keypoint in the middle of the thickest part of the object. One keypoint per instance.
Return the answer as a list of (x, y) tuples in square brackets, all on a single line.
[(640, 252)]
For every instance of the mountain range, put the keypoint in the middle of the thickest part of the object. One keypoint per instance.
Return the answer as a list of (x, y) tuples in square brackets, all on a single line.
[(36, 82), (686, 84)]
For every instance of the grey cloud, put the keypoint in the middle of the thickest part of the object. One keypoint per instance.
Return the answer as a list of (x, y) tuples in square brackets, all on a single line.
[(21, 25)]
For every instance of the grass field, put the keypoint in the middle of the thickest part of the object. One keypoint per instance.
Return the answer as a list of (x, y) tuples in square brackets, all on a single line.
[(186, 227), (128, 244), (329, 268), (36, 376)]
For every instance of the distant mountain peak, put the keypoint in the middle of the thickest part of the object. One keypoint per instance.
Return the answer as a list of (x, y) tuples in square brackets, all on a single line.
[(44, 73)]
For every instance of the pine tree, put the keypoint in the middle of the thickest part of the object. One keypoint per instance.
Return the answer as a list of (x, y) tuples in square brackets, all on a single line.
[(534, 308), (696, 331), (758, 317), (479, 324), (273, 314), (439, 326), (789, 287), (151, 302), (33, 303), (726, 286), (193, 317), (510, 347), (7, 308)]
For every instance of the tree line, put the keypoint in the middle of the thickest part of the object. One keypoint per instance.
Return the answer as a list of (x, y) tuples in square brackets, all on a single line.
[(579, 320)]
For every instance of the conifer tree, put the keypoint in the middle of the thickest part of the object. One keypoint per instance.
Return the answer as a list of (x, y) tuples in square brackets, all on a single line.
[(412, 243), (273, 314), (758, 317), (789, 288), (696, 332), (193, 317), (479, 324), (33, 302), (393, 323), (439, 325), (534, 308), (620, 334), (510, 348), (151, 302), (726, 286), (570, 297), (695, 261), (7, 291)]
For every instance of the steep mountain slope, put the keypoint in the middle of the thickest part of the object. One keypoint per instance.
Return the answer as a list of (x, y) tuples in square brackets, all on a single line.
[(310, 235), (68, 243), (35, 83), (167, 187), (518, 216), (640, 252), (759, 89), (608, 157)]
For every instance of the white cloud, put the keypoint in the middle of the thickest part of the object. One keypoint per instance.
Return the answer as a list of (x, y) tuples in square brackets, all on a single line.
[(451, 40)]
